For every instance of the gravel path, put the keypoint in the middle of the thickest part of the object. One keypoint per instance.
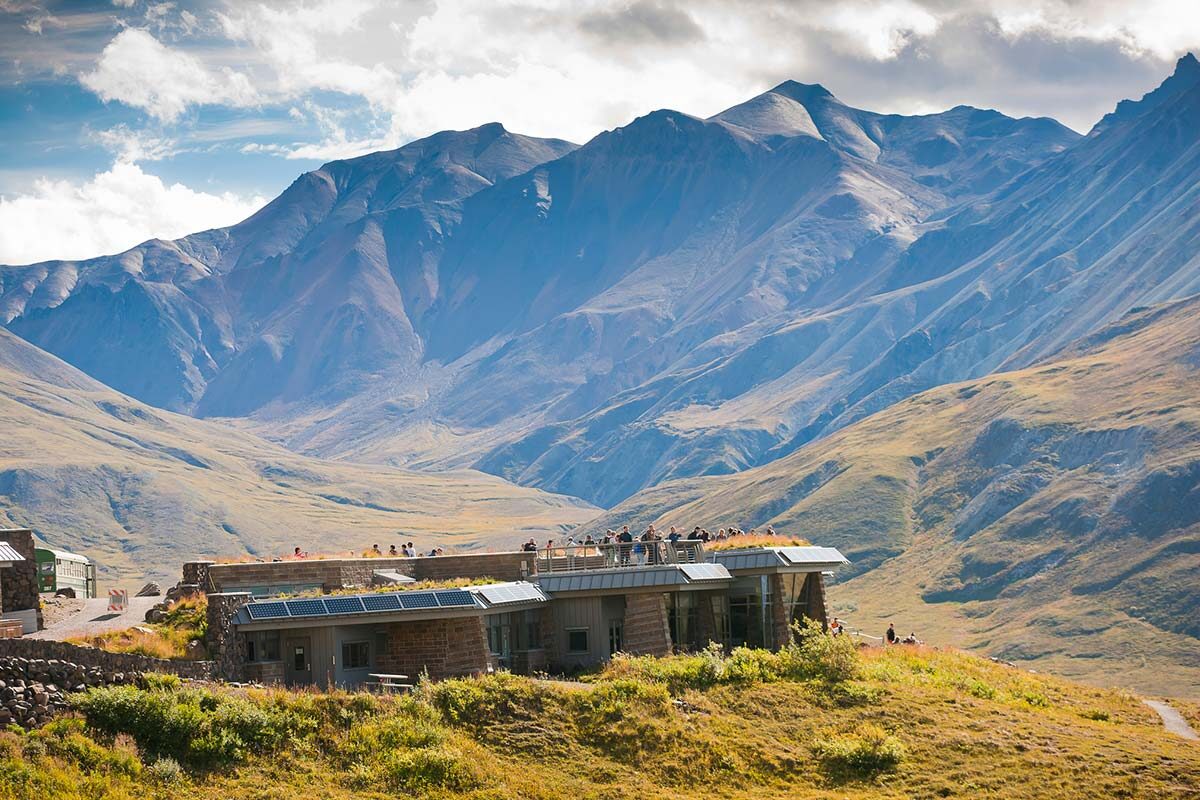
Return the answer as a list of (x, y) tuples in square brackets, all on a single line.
[(1172, 720), (96, 618)]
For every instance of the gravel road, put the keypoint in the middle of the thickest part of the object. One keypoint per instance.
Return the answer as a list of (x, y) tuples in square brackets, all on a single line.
[(96, 618)]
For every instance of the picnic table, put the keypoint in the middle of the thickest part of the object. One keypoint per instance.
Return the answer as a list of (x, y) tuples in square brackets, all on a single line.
[(388, 682)]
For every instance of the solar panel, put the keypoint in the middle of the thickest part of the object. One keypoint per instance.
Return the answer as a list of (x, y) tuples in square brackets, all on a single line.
[(418, 600), (267, 610), (499, 594), (306, 608), (343, 605), (457, 597), (381, 602)]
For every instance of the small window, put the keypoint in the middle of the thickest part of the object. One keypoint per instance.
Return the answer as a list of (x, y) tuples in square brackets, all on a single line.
[(577, 641), (356, 655)]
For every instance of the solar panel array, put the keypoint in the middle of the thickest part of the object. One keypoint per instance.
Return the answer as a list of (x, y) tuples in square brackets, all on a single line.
[(357, 604)]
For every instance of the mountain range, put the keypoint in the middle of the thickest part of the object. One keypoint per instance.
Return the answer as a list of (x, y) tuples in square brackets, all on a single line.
[(714, 318)]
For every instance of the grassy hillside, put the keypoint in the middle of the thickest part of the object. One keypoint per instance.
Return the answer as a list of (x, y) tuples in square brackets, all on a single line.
[(907, 723), (1050, 515), (140, 489)]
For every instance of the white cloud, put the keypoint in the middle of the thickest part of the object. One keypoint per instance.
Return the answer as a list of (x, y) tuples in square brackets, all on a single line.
[(131, 146), (1161, 28), (111, 212), (140, 71)]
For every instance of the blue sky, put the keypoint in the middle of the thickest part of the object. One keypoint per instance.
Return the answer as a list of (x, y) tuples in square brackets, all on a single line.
[(126, 119)]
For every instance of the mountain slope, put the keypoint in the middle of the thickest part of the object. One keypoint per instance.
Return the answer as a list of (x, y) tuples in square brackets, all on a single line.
[(486, 299), (308, 298), (140, 489), (995, 282), (1050, 514)]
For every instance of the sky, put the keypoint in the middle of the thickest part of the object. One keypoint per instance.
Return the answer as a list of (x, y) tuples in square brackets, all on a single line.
[(123, 120)]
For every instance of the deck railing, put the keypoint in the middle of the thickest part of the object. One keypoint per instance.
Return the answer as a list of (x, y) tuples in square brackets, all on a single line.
[(619, 555)]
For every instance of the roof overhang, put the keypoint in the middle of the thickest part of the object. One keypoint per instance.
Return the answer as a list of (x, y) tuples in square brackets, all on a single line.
[(760, 560), (9, 555), (680, 577)]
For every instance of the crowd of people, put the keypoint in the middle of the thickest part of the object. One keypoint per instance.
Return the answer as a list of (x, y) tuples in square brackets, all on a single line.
[(406, 550), (651, 534)]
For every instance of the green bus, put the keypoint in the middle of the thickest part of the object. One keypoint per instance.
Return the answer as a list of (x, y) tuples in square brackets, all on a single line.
[(59, 570)]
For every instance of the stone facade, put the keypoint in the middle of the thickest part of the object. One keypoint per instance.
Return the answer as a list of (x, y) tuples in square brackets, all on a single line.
[(226, 646), (647, 627), (18, 584), (445, 647), (780, 614), (43, 655), (263, 672), (344, 573)]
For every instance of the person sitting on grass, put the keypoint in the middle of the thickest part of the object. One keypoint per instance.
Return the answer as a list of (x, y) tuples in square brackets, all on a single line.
[(910, 639), (392, 551), (375, 551)]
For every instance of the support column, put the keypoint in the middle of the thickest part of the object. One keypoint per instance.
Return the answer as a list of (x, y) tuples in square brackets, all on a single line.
[(226, 647)]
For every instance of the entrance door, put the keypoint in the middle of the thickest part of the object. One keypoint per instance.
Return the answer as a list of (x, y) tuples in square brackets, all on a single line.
[(616, 636), (297, 664)]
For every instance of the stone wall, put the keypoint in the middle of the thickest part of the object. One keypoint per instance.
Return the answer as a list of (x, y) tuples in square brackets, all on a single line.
[(20, 586), (38, 654), (780, 613), (226, 646), (263, 672), (340, 573), (647, 627), (814, 591), (444, 647)]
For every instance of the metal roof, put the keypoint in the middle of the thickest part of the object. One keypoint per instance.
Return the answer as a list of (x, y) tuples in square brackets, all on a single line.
[(9, 553), (637, 578), (64, 555), (752, 558)]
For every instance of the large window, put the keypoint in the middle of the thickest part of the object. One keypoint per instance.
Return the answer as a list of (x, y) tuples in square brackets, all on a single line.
[(577, 640), (356, 655), (683, 617), (262, 646)]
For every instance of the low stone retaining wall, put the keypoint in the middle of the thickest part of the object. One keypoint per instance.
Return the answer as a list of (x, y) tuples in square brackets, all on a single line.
[(40, 657)]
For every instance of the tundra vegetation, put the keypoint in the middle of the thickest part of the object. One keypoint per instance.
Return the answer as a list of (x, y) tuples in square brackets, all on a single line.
[(818, 719)]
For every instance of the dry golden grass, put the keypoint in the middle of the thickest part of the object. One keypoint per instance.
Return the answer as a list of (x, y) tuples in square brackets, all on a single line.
[(185, 622), (916, 723), (141, 490)]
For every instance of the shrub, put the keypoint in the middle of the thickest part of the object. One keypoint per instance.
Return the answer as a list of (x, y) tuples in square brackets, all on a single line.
[(868, 750), (626, 718), (814, 654), (479, 701), (427, 768), (195, 726), (165, 771)]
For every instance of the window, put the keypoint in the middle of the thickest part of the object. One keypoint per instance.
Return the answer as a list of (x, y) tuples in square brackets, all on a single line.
[(577, 640), (533, 629), (262, 646), (356, 655)]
